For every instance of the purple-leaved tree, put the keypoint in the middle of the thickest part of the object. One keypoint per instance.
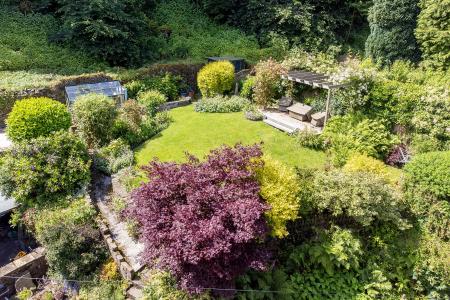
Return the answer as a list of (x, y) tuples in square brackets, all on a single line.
[(203, 220)]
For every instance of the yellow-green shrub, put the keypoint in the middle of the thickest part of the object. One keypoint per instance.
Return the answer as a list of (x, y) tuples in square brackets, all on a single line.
[(34, 117), (279, 188), (216, 78), (363, 163)]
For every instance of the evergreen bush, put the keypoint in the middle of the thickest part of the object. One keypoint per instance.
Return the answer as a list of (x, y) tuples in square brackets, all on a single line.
[(113, 157), (433, 25), (216, 78), (392, 25), (34, 117)]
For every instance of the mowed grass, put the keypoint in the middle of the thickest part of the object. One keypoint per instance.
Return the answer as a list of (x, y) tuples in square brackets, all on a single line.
[(198, 133)]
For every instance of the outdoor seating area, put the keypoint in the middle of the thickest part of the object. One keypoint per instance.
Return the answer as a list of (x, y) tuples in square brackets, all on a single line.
[(299, 116)]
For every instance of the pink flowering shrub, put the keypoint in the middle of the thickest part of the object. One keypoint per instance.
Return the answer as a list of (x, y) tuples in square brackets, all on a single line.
[(203, 221)]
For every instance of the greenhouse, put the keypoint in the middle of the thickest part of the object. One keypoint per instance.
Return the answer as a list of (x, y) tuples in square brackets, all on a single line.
[(112, 89)]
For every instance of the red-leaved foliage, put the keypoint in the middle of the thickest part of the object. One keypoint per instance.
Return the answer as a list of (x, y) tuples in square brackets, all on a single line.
[(203, 221)]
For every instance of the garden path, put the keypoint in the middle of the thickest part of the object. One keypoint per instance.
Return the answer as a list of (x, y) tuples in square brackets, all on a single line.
[(101, 194)]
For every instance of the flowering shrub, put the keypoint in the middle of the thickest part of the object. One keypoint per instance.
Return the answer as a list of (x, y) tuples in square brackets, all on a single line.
[(432, 115), (45, 169), (203, 221), (94, 116), (216, 78), (267, 81), (35, 117), (279, 188), (221, 104), (113, 157)]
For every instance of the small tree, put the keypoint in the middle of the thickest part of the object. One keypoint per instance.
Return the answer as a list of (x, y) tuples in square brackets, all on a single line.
[(216, 78), (35, 117), (267, 82), (152, 100), (433, 25), (203, 221), (94, 116), (392, 24)]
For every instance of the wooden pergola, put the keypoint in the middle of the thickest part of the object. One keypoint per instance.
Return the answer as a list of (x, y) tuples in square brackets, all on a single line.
[(315, 80)]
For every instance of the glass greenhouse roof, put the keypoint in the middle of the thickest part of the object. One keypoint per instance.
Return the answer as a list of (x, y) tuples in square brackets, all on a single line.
[(109, 88)]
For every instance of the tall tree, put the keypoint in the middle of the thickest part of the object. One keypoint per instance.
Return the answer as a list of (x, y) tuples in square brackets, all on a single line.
[(392, 24)]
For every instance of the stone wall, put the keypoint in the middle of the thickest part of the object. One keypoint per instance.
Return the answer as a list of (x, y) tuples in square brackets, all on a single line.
[(174, 104), (34, 262)]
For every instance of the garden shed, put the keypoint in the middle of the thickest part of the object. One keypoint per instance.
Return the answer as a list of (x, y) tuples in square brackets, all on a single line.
[(112, 89)]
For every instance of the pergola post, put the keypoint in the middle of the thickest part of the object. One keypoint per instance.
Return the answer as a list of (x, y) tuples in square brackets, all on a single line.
[(327, 108)]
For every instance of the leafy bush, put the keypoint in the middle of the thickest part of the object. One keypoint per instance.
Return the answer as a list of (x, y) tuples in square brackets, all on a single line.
[(267, 82), (360, 196), (113, 157), (94, 115), (427, 181), (169, 85), (152, 100), (103, 290), (45, 169), (349, 134), (431, 269), (73, 244), (248, 86), (423, 143), (392, 25), (218, 214), (432, 24), (362, 163), (134, 124), (279, 188), (162, 286), (216, 78), (438, 220), (221, 104), (34, 117), (310, 139), (253, 113)]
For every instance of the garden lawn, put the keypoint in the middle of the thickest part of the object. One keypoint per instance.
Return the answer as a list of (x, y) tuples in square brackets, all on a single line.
[(198, 133)]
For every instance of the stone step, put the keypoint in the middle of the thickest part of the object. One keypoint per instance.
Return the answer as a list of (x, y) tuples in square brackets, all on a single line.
[(134, 293), (281, 123), (277, 125)]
